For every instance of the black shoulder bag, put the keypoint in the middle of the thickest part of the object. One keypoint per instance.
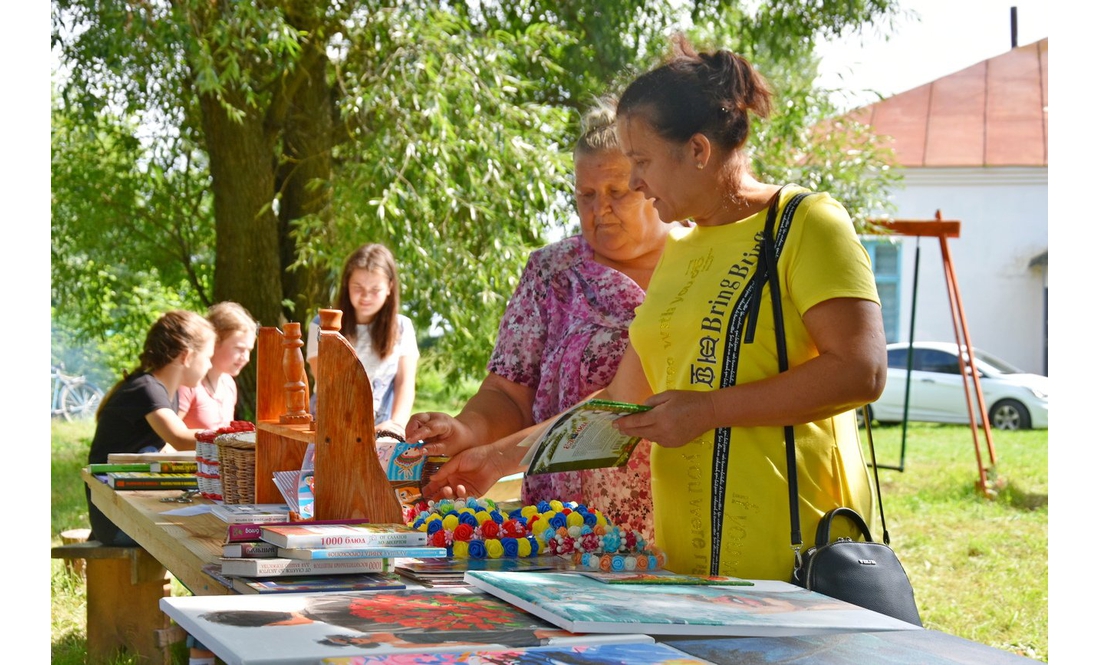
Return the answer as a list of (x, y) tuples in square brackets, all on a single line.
[(867, 574)]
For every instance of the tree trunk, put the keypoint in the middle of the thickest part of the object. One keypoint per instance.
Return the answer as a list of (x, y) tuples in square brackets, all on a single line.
[(305, 180), (246, 266)]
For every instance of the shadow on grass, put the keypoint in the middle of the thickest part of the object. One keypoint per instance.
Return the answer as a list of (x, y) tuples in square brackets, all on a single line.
[(1014, 496)]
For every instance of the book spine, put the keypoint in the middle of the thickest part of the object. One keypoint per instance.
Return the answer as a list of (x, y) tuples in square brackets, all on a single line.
[(275, 518), (238, 533), (115, 468), (321, 541), (250, 550), (316, 554), (279, 567), (147, 484), (174, 467)]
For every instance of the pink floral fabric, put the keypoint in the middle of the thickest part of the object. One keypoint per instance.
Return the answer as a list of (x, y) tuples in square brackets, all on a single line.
[(564, 333)]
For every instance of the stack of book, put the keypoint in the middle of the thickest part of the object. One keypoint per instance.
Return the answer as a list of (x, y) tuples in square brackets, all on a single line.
[(148, 474), (315, 557)]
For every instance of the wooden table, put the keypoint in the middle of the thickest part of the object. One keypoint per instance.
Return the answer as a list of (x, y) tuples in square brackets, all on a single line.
[(182, 544)]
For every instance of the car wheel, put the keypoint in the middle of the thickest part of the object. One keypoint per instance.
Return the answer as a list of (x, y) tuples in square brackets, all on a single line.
[(1010, 414)]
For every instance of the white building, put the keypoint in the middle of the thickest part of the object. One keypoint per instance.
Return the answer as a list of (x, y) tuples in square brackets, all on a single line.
[(972, 145)]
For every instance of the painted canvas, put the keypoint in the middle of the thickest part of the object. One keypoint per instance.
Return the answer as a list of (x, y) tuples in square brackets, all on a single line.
[(908, 647), (287, 629), (768, 608), (591, 654)]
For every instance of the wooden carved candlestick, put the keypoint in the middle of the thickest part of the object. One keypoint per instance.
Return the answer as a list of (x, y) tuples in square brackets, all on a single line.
[(332, 319), (294, 368)]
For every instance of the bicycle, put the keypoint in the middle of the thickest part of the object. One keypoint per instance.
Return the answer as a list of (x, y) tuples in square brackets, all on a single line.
[(74, 397)]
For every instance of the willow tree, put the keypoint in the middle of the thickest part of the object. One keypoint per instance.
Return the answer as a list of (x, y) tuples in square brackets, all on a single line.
[(241, 149)]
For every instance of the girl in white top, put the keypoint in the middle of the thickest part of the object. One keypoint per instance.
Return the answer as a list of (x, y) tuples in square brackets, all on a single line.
[(384, 340)]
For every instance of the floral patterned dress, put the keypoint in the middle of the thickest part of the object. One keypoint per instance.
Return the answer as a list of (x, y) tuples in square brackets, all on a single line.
[(563, 334)]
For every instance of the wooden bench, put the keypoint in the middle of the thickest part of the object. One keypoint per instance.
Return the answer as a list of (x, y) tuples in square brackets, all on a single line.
[(120, 577)]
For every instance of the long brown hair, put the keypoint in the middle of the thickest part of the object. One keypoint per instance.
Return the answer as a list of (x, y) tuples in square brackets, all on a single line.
[(383, 332), (173, 333), (229, 317)]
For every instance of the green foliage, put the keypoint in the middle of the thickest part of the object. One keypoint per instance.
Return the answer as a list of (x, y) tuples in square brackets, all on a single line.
[(442, 130)]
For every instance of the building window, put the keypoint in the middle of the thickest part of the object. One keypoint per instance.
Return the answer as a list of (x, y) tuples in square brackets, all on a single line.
[(886, 263)]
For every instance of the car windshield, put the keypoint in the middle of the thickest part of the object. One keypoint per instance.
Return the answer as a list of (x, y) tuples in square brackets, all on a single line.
[(996, 363)]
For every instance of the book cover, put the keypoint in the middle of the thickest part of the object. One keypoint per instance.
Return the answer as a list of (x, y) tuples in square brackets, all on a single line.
[(252, 513), (768, 608), (280, 567), (256, 549), (174, 466), (215, 570), (641, 653), (144, 480), (303, 535), (904, 647), (319, 583), (114, 468), (280, 629), (381, 551), (582, 438)]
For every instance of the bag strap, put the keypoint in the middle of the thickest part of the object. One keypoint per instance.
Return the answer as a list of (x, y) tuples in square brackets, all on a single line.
[(874, 467), (768, 272), (826, 525)]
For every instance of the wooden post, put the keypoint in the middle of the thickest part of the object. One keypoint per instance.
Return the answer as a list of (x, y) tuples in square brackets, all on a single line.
[(294, 368)]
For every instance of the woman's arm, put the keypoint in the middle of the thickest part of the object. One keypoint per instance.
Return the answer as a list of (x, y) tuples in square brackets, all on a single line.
[(499, 407), (170, 427), (849, 371)]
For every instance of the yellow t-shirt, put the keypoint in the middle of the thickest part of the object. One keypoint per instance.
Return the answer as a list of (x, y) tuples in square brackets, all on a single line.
[(679, 333)]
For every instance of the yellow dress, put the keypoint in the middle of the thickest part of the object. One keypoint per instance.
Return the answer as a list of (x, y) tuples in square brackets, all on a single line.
[(728, 487)]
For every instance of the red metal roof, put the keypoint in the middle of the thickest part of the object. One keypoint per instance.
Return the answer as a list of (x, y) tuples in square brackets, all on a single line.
[(993, 113)]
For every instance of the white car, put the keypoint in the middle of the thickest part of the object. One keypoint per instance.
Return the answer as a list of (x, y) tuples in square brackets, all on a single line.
[(1013, 398)]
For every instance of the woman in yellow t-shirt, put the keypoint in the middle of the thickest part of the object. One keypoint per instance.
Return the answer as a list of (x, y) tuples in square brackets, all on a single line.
[(719, 403)]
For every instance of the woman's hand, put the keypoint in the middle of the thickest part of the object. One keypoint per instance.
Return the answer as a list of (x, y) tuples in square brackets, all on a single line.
[(677, 417), (442, 434), (470, 473)]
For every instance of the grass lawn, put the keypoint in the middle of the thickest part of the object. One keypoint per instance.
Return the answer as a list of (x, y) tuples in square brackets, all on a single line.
[(978, 565)]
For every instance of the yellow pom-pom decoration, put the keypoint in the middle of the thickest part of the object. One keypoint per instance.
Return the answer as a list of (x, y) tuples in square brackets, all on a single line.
[(523, 547), (494, 548), (450, 522), (556, 505), (482, 516), (461, 549), (574, 519)]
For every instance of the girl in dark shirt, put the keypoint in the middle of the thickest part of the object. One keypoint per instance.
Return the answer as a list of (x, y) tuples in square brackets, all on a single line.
[(139, 414)]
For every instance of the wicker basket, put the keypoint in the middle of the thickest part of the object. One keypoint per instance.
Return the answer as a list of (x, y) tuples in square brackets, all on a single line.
[(237, 459)]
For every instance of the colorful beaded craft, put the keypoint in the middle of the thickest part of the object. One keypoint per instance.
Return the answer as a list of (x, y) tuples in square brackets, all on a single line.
[(476, 529)]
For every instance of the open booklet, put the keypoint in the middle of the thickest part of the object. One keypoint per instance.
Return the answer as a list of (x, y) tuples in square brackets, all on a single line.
[(582, 438)]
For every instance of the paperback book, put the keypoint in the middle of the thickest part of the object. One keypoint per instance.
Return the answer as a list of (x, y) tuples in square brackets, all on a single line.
[(149, 458), (381, 551), (174, 466), (280, 629), (306, 535), (144, 480), (243, 532), (256, 549), (768, 608), (319, 583), (280, 567), (582, 438), (252, 513)]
